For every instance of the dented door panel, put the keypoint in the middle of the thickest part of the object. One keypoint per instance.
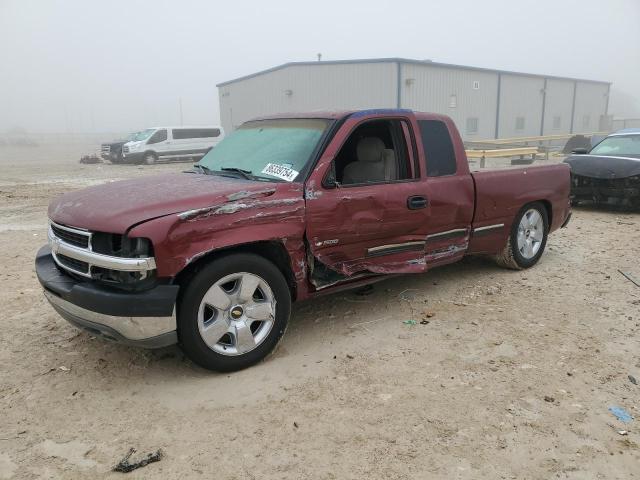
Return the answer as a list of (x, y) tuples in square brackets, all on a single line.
[(368, 228), (365, 228)]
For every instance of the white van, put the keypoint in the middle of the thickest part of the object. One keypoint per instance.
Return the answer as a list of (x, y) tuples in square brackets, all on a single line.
[(171, 143)]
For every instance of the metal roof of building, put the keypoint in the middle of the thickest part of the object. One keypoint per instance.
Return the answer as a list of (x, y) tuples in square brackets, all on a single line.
[(407, 61)]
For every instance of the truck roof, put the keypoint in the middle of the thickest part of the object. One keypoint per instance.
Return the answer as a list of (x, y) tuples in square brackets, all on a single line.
[(340, 114)]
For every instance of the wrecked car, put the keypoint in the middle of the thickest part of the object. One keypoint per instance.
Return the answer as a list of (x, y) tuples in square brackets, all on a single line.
[(112, 151), (284, 209), (609, 173)]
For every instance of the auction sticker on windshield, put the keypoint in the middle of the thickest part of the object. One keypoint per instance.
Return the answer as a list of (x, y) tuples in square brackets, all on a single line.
[(280, 171)]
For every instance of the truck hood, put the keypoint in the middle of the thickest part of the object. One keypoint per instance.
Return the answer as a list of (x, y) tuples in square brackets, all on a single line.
[(605, 167), (116, 206)]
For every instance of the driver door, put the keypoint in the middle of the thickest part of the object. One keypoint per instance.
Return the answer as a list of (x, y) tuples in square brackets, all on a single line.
[(376, 225)]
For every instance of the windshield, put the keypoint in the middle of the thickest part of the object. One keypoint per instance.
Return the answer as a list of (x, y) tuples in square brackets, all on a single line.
[(273, 149), (620, 146), (143, 135), (132, 136)]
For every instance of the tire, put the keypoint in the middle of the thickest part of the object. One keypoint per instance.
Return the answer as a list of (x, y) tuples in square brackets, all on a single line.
[(213, 313), (527, 239), (150, 158)]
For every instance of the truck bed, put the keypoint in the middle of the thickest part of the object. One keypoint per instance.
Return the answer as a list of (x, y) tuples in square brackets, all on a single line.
[(500, 194)]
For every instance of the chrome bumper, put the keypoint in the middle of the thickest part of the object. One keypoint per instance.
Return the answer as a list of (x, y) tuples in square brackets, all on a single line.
[(132, 330), (145, 319)]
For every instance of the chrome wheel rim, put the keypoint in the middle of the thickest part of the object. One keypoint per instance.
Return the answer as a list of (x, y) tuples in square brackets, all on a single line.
[(236, 314), (530, 233)]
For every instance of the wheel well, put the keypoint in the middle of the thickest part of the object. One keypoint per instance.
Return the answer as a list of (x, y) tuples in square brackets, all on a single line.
[(547, 206), (151, 152), (273, 251)]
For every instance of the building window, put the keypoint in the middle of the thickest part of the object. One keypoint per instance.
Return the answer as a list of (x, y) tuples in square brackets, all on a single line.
[(453, 101), (476, 85), (519, 123), (557, 123), (472, 125), (585, 121)]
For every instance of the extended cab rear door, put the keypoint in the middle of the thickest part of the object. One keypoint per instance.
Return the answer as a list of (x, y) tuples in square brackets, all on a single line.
[(449, 188)]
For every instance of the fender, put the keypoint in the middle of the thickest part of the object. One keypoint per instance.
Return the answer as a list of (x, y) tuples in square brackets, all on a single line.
[(180, 239)]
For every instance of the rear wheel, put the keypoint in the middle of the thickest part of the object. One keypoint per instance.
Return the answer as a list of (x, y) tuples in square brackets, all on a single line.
[(527, 239), (233, 312)]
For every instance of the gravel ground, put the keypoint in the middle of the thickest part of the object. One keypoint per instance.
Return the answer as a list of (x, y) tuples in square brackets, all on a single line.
[(511, 377)]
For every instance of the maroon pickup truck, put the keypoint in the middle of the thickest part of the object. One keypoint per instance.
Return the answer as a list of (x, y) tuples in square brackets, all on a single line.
[(286, 208)]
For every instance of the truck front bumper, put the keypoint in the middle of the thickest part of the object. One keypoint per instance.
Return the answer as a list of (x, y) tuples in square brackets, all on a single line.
[(144, 319)]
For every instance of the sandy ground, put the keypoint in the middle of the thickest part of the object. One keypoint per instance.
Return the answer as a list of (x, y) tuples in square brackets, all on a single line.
[(352, 392)]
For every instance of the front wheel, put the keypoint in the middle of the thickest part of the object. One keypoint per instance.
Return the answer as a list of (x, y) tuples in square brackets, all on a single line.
[(527, 239), (234, 312), (150, 158)]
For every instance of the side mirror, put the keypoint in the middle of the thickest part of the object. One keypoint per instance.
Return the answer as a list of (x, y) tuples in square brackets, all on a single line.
[(579, 151)]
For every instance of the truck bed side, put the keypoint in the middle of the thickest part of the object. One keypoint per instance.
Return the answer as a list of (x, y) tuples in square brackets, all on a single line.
[(500, 194)]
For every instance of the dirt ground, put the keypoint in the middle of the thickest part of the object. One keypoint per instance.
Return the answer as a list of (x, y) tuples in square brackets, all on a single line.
[(511, 378)]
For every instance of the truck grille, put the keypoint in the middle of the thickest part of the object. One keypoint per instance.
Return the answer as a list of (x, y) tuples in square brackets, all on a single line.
[(73, 264), (105, 148), (76, 238), (125, 149)]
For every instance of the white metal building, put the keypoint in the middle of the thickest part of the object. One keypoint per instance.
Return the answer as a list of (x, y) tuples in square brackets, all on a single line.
[(484, 103)]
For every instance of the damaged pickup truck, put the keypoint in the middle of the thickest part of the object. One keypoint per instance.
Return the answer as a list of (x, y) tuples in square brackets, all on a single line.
[(286, 208)]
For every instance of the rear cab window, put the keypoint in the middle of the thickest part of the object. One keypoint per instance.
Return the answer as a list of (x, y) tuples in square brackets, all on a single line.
[(439, 154)]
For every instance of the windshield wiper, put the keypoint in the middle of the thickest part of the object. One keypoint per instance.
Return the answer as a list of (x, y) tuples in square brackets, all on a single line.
[(244, 173), (204, 169)]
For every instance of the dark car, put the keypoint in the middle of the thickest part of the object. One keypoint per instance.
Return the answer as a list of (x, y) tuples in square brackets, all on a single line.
[(112, 151), (609, 173)]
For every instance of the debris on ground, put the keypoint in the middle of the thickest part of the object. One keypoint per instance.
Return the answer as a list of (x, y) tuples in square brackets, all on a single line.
[(621, 414), (350, 357), (629, 277), (295, 424), (410, 322), (90, 159), (408, 294), (632, 379), (549, 399), (623, 432), (63, 368), (424, 322), (125, 466), (429, 314)]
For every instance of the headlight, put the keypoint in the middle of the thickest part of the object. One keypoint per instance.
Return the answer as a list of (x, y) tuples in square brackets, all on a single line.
[(117, 245)]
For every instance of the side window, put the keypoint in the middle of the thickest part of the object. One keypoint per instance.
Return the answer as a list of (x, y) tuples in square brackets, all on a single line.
[(209, 132), (438, 148), (375, 152), (159, 136), (181, 133)]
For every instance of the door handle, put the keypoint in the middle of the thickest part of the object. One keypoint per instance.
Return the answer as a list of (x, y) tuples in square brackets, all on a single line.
[(415, 202)]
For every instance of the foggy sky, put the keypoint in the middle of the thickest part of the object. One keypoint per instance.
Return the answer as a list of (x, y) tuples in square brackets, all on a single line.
[(116, 66)]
